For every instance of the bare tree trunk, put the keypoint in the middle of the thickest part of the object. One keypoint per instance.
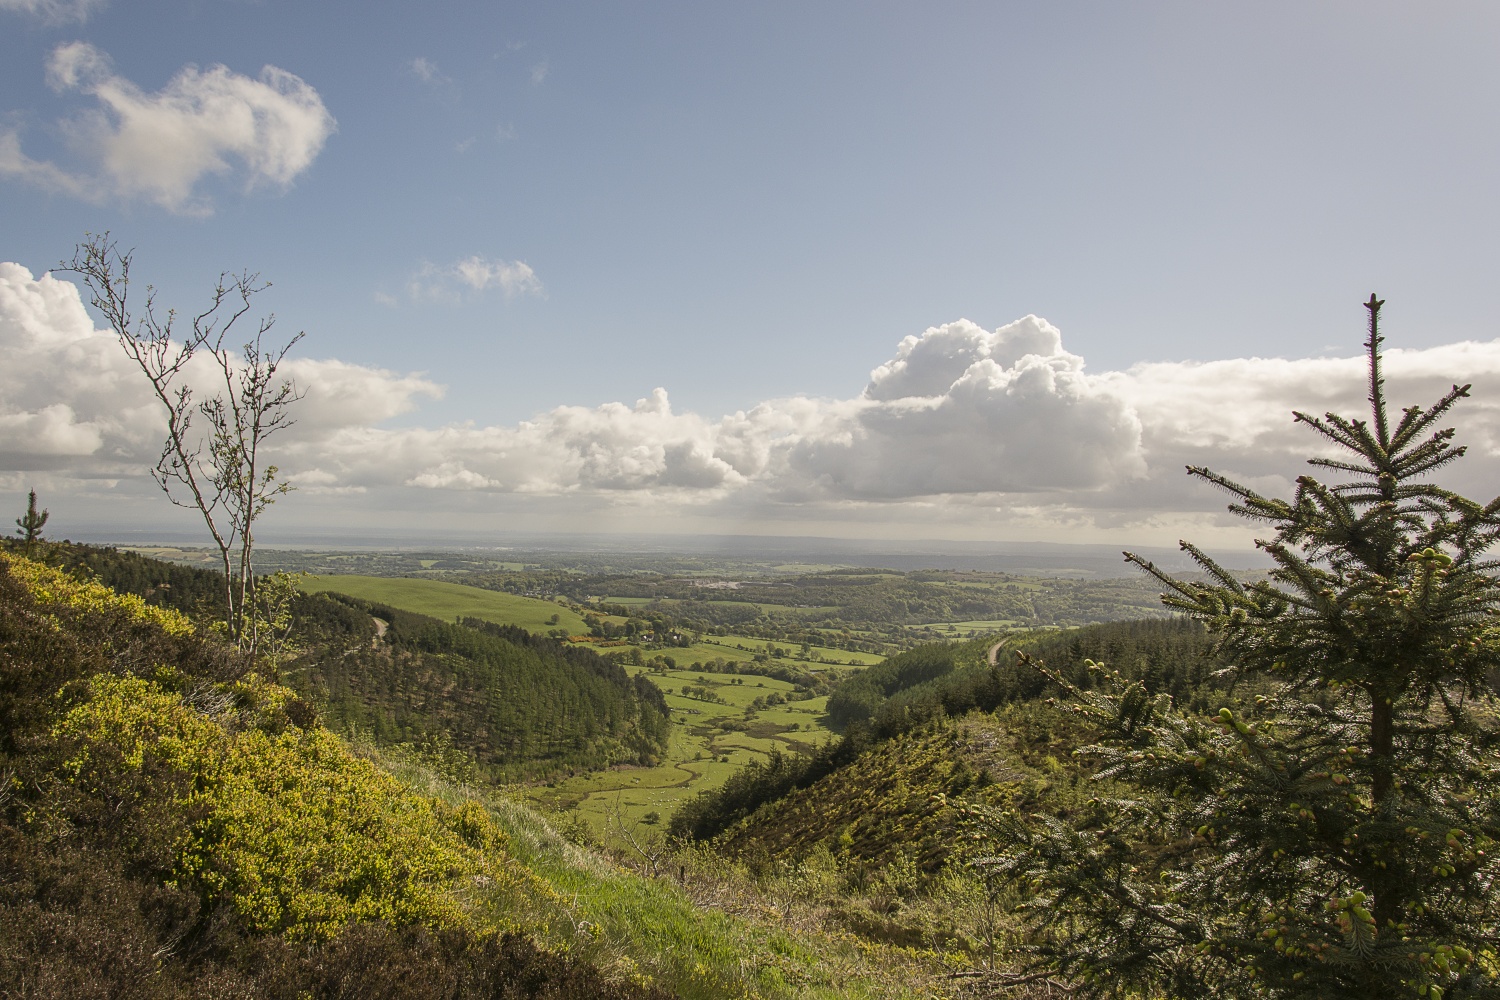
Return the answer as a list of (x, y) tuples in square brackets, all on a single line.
[(228, 487)]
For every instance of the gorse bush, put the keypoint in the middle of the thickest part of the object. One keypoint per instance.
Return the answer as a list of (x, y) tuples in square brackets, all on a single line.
[(172, 827), (289, 828)]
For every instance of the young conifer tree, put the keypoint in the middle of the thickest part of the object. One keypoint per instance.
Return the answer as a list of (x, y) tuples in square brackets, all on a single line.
[(1338, 837), (29, 525)]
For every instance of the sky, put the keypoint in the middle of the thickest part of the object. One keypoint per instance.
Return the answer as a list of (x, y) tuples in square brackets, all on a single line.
[(953, 271)]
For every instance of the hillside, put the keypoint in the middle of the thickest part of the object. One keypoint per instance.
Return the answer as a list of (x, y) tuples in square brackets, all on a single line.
[(444, 600), (187, 826), (518, 705), (935, 722), (191, 827), (511, 704)]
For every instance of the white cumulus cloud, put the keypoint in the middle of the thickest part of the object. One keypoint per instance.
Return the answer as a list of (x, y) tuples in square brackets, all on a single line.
[(965, 410), (962, 427), (160, 146), (71, 399)]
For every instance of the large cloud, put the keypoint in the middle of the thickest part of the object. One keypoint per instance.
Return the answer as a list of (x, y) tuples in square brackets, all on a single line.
[(159, 146), (71, 400), (962, 427), (964, 410)]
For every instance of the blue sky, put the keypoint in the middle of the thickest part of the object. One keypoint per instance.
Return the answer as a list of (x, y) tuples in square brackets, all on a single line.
[(756, 203)]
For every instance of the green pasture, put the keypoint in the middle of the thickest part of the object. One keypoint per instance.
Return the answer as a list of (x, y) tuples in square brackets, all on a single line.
[(963, 628), (761, 607), (709, 743), (728, 646), (449, 601)]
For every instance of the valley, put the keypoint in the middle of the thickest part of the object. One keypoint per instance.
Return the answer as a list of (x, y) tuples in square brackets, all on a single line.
[(734, 697), (745, 653)]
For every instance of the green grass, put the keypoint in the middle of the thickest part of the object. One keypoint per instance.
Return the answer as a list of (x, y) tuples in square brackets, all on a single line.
[(702, 754), (988, 625), (448, 601), (701, 929), (727, 646)]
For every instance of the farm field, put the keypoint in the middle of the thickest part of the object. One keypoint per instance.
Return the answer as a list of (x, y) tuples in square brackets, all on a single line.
[(448, 601), (739, 647), (710, 741), (961, 630), (760, 607)]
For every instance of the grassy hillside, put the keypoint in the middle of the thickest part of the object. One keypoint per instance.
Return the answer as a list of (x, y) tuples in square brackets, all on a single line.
[(895, 801), (506, 703), (191, 827), (904, 743), (451, 601)]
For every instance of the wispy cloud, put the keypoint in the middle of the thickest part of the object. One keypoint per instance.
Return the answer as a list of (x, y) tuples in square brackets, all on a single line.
[(539, 72), (160, 146), (55, 11), (427, 71), (474, 275)]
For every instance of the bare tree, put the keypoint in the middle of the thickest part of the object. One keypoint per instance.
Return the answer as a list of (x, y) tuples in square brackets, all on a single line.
[(220, 471), (652, 847)]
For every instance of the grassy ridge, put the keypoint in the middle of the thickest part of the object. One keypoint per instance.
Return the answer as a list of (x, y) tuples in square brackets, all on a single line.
[(449, 601)]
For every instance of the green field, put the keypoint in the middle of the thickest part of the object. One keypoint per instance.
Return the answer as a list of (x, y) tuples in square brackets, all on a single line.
[(739, 647), (669, 603), (703, 753), (709, 741), (962, 629), (449, 601)]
